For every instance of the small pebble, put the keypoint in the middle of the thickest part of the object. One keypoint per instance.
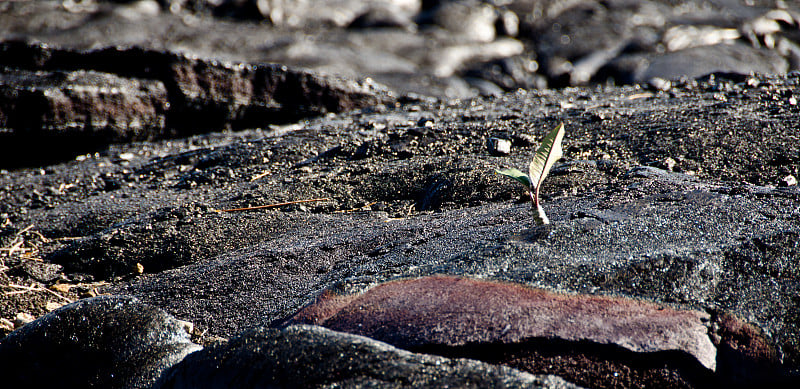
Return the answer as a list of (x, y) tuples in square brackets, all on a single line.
[(187, 326), (507, 23), (22, 319), (524, 139), (61, 288), (52, 305), (789, 180), (660, 84), (670, 163), (6, 325), (499, 146)]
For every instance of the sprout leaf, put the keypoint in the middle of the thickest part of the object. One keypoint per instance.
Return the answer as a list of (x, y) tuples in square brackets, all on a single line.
[(517, 175), (548, 153)]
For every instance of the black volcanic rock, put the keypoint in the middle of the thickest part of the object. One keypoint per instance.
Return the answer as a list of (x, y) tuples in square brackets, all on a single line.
[(314, 357), (52, 115), (59, 101), (109, 342), (694, 62), (426, 46)]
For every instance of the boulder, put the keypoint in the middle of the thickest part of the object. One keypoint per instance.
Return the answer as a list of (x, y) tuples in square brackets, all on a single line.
[(49, 96), (109, 342), (597, 341), (54, 114), (314, 357)]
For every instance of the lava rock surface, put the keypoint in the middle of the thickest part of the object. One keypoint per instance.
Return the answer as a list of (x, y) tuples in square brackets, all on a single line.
[(112, 342), (314, 357), (151, 154)]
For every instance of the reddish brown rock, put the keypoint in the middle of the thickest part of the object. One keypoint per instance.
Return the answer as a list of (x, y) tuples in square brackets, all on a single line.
[(597, 340), (745, 353)]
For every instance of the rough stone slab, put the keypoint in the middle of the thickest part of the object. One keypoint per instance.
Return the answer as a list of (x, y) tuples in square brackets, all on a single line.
[(315, 357), (121, 94), (82, 100), (452, 311), (51, 114), (205, 89), (109, 342), (694, 62)]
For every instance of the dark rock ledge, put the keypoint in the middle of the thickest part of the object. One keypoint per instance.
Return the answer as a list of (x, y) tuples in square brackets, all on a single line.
[(310, 356), (118, 342), (113, 342), (57, 103)]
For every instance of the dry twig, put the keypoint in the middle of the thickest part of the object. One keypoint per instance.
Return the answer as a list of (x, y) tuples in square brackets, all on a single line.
[(356, 209), (272, 205), (260, 175), (14, 247), (33, 288)]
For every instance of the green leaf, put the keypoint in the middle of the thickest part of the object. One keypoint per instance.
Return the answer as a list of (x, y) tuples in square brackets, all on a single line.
[(517, 175), (547, 154)]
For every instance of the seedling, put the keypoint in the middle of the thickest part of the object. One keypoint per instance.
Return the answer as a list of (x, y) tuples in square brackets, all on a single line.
[(547, 154)]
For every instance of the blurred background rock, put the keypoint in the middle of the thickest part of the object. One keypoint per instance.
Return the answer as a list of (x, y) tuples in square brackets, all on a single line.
[(446, 48)]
